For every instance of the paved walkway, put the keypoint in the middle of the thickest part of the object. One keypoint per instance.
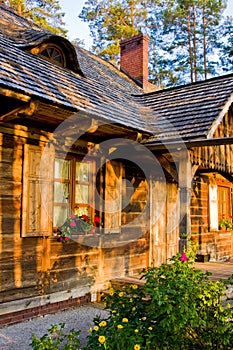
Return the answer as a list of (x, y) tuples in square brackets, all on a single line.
[(218, 270)]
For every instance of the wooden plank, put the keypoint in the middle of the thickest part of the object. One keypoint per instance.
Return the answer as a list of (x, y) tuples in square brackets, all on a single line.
[(37, 191)]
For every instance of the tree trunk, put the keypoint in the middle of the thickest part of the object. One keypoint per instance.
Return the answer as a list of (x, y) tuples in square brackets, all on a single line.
[(194, 44), (204, 43), (190, 49)]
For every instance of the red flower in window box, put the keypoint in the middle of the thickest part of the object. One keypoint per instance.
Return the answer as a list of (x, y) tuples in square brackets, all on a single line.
[(77, 225), (97, 221)]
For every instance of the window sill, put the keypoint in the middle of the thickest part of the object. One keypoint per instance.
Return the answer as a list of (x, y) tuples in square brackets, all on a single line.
[(104, 238)]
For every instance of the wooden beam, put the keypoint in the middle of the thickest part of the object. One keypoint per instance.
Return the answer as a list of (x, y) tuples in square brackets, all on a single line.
[(10, 115), (185, 187), (167, 166), (28, 110), (181, 144), (13, 94)]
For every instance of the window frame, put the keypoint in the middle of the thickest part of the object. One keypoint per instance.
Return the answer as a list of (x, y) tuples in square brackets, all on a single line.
[(226, 202), (39, 49), (72, 181), (227, 186)]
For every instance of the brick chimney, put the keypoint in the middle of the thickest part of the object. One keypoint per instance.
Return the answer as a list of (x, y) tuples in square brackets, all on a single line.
[(134, 58)]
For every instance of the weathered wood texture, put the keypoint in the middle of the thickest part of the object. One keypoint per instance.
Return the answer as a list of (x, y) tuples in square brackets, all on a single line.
[(164, 217), (217, 157), (200, 205), (36, 266), (218, 243)]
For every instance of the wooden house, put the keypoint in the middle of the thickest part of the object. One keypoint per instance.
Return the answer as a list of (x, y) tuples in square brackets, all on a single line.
[(79, 136)]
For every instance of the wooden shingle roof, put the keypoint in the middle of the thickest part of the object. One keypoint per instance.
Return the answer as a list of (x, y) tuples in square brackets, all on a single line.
[(191, 111), (103, 92), (32, 75)]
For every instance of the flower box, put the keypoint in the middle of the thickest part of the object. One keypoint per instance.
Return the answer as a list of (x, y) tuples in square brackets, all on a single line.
[(76, 226)]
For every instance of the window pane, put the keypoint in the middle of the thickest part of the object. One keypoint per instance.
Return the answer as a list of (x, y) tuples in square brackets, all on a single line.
[(82, 172), (61, 192), (60, 214), (62, 169), (224, 201), (45, 53), (81, 194), (82, 211)]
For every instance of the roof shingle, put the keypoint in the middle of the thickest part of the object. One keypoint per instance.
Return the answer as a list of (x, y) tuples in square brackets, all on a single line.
[(188, 111)]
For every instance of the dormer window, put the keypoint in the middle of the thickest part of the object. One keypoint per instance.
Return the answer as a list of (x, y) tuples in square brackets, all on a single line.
[(51, 52), (59, 51)]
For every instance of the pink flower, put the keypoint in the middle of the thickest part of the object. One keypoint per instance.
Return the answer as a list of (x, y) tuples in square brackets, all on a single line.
[(183, 257), (73, 224), (92, 231), (60, 239), (67, 238), (72, 216)]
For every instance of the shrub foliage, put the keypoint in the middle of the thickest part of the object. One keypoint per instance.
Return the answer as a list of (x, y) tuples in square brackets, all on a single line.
[(177, 308)]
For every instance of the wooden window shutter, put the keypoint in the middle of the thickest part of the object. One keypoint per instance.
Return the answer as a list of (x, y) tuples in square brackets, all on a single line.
[(37, 204), (113, 196), (213, 206)]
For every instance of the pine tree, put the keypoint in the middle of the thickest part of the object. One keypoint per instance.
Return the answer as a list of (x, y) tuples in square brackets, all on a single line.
[(226, 45), (46, 13), (187, 37), (112, 20)]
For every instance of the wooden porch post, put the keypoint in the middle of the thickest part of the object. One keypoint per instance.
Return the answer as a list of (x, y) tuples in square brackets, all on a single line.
[(185, 187)]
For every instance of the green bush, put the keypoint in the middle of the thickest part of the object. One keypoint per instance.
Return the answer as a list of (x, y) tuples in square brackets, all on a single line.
[(178, 308), (56, 339)]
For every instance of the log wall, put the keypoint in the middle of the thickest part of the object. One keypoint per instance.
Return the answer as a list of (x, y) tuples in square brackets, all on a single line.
[(44, 270), (218, 157), (218, 243)]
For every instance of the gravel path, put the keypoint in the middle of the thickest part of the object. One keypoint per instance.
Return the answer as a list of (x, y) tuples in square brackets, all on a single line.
[(18, 336)]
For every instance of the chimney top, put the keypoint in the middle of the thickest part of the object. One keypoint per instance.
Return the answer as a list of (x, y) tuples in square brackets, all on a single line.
[(134, 58)]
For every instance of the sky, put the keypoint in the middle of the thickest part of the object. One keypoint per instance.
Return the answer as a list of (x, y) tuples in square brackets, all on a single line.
[(75, 26), (79, 29)]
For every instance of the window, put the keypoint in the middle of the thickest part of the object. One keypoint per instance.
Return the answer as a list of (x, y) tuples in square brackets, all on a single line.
[(224, 208), (50, 52), (73, 188), (220, 201)]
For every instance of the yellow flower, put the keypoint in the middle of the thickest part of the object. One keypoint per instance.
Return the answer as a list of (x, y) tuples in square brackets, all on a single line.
[(101, 339), (136, 330), (90, 330), (137, 347), (121, 294), (111, 292), (113, 311), (102, 323), (134, 308), (96, 328), (125, 320), (150, 328), (134, 286), (119, 326)]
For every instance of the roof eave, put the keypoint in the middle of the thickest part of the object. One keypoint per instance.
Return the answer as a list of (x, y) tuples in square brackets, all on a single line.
[(166, 145), (219, 118)]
